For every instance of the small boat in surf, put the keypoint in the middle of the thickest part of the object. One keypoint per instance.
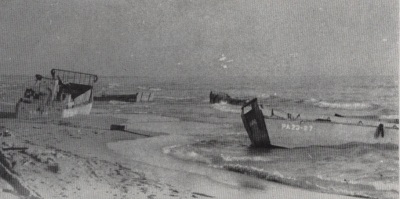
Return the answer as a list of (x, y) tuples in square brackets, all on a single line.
[(223, 97), (283, 130), (64, 94), (137, 97)]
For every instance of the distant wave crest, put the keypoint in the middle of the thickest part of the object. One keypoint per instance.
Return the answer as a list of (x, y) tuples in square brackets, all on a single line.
[(113, 102), (155, 89), (342, 105), (389, 117), (225, 107)]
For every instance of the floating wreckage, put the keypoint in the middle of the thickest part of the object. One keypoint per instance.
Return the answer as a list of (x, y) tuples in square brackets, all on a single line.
[(290, 132), (223, 97), (137, 97), (64, 94)]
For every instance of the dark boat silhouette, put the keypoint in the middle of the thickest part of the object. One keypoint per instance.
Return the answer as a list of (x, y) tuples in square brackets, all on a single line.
[(137, 97), (223, 97)]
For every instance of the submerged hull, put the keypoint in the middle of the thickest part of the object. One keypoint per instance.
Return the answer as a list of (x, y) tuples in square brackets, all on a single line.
[(265, 131)]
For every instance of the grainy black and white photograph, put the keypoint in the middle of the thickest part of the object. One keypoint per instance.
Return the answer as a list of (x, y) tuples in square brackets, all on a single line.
[(199, 99)]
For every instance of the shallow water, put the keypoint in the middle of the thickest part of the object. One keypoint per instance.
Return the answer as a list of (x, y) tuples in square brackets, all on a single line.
[(352, 169)]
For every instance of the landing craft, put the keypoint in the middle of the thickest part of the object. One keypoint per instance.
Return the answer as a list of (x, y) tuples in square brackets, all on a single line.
[(291, 132), (64, 94), (137, 97)]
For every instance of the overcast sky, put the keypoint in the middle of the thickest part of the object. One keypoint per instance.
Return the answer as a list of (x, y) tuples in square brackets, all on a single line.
[(200, 37)]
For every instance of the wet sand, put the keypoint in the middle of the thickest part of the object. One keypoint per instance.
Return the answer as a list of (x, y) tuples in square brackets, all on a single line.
[(81, 158)]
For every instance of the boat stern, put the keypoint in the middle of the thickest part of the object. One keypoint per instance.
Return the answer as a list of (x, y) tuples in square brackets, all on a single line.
[(254, 124)]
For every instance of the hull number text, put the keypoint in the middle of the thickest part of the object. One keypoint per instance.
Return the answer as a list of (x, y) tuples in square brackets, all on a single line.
[(296, 127)]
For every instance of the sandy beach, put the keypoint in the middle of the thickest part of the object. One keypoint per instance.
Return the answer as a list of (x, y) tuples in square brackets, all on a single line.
[(176, 74), (81, 158)]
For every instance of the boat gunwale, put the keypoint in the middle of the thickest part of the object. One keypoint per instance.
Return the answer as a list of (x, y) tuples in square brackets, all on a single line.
[(330, 122)]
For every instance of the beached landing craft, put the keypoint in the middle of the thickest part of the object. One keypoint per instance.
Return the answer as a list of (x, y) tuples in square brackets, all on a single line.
[(122, 98), (290, 132), (64, 94)]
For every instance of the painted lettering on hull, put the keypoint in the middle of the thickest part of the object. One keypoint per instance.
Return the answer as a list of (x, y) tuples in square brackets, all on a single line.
[(295, 127)]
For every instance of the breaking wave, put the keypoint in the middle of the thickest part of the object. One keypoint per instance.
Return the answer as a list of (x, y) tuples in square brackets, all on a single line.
[(342, 105), (155, 89), (334, 174), (389, 117), (113, 102), (188, 155), (311, 183), (225, 107)]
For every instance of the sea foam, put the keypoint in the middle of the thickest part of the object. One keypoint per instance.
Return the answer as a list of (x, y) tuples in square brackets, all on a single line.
[(225, 107), (342, 105)]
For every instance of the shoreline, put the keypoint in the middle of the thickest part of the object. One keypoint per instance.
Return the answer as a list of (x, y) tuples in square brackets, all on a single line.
[(72, 158), (195, 176), (86, 168)]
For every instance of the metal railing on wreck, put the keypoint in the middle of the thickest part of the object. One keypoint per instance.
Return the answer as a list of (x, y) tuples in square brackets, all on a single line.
[(74, 77)]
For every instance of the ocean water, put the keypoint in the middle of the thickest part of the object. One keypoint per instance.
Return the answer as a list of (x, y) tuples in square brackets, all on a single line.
[(369, 171)]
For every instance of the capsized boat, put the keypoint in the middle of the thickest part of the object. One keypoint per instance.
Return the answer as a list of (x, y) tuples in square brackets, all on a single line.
[(291, 132), (64, 94)]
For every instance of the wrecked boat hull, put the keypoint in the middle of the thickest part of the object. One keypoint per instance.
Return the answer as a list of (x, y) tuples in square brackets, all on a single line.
[(80, 110), (291, 134), (223, 97), (31, 111), (123, 98), (138, 97), (65, 94), (265, 131)]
